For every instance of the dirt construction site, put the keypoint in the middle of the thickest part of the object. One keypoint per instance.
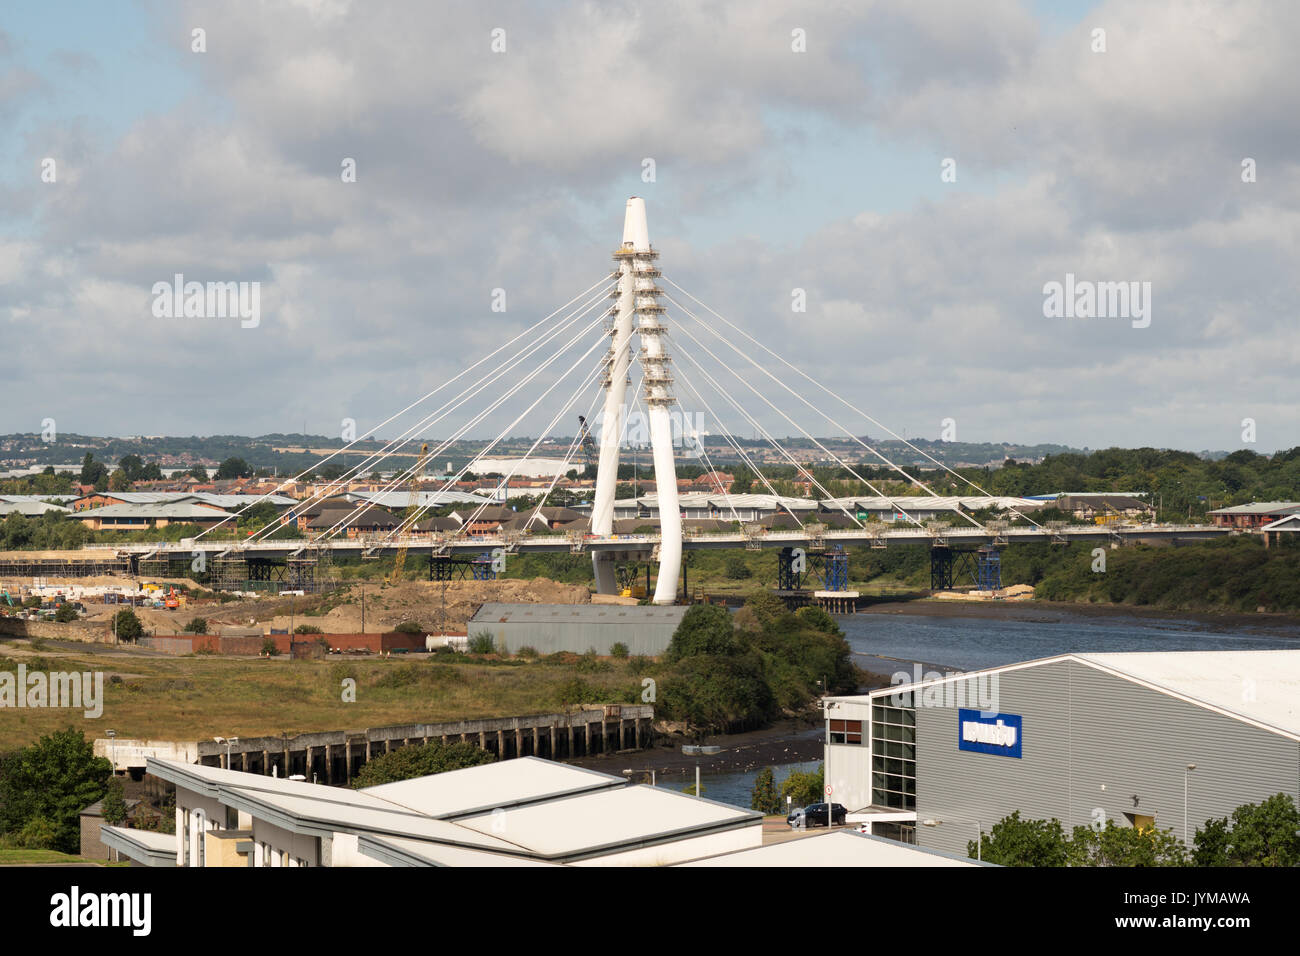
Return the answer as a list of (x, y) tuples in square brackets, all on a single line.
[(433, 605)]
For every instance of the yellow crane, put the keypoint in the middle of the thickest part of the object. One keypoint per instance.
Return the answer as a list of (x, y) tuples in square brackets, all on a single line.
[(416, 474)]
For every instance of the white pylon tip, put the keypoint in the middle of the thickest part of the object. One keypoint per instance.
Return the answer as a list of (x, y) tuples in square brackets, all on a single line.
[(636, 229)]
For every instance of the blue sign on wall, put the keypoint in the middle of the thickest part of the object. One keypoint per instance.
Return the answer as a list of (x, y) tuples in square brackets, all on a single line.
[(989, 733)]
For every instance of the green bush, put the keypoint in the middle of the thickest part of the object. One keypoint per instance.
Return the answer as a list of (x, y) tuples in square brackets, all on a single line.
[(66, 613), (196, 625), (763, 797), (307, 629), (526, 651), (575, 692), (419, 761), (114, 806), (127, 626), (619, 650), (409, 627), (269, 647), (590, 663), (482, 643)]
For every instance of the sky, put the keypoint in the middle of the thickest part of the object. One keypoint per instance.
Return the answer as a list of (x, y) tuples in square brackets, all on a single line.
[(915, 176)]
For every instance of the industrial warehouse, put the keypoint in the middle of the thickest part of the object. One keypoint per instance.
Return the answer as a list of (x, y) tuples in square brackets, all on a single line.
[(1169, 739), (548, 628)]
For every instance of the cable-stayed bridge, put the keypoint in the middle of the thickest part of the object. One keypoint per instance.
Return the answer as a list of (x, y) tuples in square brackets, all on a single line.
[(578, 360)]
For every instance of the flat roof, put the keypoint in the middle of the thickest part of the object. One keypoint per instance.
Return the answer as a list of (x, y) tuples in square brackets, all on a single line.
[(609, 821), (143, 846), (505, 783), (1211, 679), (322, 817), (1258, 508), (399, 851), (210, 781), (539, 809), (838, 848)]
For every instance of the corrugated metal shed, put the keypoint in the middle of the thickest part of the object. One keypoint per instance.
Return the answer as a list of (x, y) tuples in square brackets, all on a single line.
[(549, 628)]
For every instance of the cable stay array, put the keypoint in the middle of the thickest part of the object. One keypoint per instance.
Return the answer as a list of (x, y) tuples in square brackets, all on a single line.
[(557, 352)]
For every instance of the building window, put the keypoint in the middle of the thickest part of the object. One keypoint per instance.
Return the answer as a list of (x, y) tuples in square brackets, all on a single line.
[(893, 757), (845, 731)]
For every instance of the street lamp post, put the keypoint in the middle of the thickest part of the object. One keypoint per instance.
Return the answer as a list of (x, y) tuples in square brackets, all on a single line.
[(697, 751), (227, 741)]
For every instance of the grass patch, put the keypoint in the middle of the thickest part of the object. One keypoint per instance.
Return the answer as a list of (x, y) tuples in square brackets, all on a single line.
[(25, 857), (196, 698)]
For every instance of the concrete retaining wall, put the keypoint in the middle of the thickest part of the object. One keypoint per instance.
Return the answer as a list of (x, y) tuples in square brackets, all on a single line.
[(72, 631)]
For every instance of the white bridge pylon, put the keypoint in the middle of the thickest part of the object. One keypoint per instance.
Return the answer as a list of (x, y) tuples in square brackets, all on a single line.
[(637, 309)]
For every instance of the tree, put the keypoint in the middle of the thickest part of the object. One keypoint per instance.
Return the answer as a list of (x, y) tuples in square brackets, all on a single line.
[(1017, 842), (1213, 844), (804, 788), (1263, 834), (118, 481), (199, 472), (233, 468), (704, 629), (126, 626), (1114, 845), (131, 466), (718, 694), (420, 761), (736, 569), (53, 779), (259, 515), (114, 805), (92, 471), (196, 625), (763, 797), (66, 613)]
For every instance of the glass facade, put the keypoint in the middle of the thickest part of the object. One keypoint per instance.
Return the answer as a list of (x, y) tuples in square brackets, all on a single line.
[(893, 757)]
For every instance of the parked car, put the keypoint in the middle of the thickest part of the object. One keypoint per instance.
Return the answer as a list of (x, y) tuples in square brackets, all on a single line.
[(814, 815)]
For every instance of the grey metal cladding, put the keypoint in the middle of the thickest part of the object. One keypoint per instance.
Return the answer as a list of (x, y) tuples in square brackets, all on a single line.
[(1085, 730), (548, 628)]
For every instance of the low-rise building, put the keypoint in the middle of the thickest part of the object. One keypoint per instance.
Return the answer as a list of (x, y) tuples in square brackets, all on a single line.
[(517, 812), (137, 517), (1254, 515)]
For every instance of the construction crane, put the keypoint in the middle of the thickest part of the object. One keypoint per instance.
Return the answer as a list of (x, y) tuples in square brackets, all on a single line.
[(588, 446), (416, 474)]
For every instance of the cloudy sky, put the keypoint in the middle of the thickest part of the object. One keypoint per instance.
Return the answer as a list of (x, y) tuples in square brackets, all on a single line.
[(793, 147)]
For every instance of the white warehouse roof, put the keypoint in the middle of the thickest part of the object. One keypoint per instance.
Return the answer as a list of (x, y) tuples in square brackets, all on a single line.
[(506, 783), (1213, 679), (840, 848)]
